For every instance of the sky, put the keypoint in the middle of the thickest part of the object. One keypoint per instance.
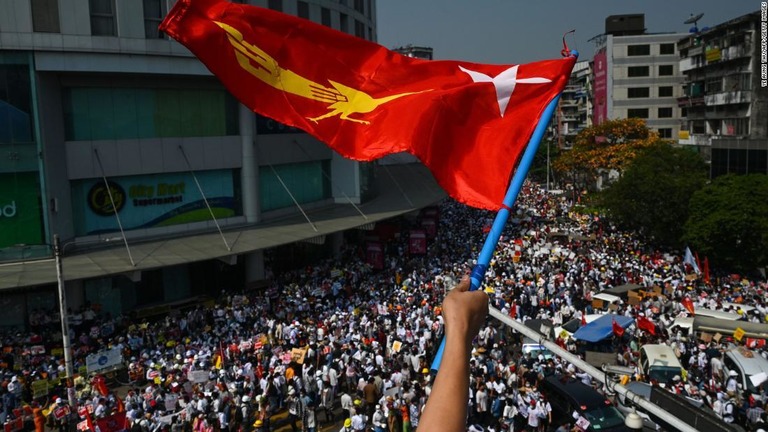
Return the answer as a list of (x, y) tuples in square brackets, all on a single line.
[(520, 31)]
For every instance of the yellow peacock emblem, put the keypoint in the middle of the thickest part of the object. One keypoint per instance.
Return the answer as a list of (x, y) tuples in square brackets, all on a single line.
[(343, 100)]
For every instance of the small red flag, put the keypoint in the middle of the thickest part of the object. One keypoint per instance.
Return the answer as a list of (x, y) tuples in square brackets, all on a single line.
[(100, 385), (688, 305), (644, 323), (467, 122), (513, 311), (113, 423), (617, 329), (584, 318), (706, 270)]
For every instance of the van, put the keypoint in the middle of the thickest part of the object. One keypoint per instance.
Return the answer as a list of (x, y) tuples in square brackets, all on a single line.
[(751, 368), (684, 325), (736, 306), (659, 363), (535, 349), (607, 299), (717, 314), (568, 395)]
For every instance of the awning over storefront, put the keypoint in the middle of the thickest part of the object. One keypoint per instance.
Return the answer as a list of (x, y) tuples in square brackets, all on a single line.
[(401, 189)]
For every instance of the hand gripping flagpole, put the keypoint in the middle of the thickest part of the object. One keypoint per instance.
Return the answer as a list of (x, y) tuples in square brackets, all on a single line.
[(484, 258)]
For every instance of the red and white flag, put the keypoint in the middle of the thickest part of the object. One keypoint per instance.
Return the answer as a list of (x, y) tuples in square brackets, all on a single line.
[(467, 122)]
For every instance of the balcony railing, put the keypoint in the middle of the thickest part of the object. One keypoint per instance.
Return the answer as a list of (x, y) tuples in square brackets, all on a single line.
[(725, 98), (695, 139), (688, 101)]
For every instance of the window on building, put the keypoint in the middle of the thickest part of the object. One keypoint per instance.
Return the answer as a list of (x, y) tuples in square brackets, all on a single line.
[(713, 85), (154, 12), (666, 70), (638, 71), (103, 18), (736, 127), (370, 34), (343, 2), (665, 112), (637, 113), (369, 9), (344, 23), (665, 91), (699, 127), (302, 9), (359, 29), (638, 50), (275, 5), (665, 133), (325, 17), (684, 112), (307, 181), (45, 16), (638, 92), (101, 113), (359, 6), (16, 115), (667, 48)]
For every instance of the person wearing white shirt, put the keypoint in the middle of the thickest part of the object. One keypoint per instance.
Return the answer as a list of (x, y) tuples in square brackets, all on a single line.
[(481, 403), (358, 421)]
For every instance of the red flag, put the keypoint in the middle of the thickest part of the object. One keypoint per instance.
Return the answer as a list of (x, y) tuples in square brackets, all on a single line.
[(114, 423), (100, 384), (584, 318), (688, 305), (706, 270), (467, 122), (119, 405), (617, 329), (85, 414), (513, 311), (644, 323)]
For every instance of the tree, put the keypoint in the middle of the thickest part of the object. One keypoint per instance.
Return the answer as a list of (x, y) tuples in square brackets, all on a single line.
[(728, 222), (610, 145), (653, 194)]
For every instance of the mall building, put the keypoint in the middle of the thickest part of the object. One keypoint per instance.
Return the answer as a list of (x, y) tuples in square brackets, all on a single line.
[(160, 185)]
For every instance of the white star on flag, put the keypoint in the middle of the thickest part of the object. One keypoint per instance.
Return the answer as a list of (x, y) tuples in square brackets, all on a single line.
[(504, 83)]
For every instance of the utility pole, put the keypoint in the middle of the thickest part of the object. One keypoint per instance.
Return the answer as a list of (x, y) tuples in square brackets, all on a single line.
[(64, 324)]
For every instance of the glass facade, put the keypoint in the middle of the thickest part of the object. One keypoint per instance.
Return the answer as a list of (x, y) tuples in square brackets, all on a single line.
[(738, 161), (308, 182), (22, 230), (93, 113)]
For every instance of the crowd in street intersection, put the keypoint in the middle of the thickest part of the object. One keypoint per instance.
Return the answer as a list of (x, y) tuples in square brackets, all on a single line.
[(341, 343)]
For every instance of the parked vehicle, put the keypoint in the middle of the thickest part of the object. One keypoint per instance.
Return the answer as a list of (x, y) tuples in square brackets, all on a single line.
[(535, 349), (571, 398), (750, 367), (659, 363), (691, 327)]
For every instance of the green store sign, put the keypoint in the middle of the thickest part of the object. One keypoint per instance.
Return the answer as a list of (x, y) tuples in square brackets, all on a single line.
[(20, 218)]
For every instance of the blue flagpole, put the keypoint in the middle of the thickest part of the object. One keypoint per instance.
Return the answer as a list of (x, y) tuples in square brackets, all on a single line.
[(484, 259)]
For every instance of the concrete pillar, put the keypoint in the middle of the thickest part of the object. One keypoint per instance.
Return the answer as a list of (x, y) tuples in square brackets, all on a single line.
[(75, 294), (335, 240), (249, 174), (254, 266)]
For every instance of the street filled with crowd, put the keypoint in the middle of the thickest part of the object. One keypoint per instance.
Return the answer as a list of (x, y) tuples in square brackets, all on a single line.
[(342, 345)]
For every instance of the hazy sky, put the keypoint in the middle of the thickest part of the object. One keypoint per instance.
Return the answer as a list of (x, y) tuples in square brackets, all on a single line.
[(517, 31)]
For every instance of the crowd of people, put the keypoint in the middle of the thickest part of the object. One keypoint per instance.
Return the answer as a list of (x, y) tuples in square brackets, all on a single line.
[(342, 343)]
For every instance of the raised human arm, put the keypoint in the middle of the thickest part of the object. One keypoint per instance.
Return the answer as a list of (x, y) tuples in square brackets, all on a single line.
[(464, 312)]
